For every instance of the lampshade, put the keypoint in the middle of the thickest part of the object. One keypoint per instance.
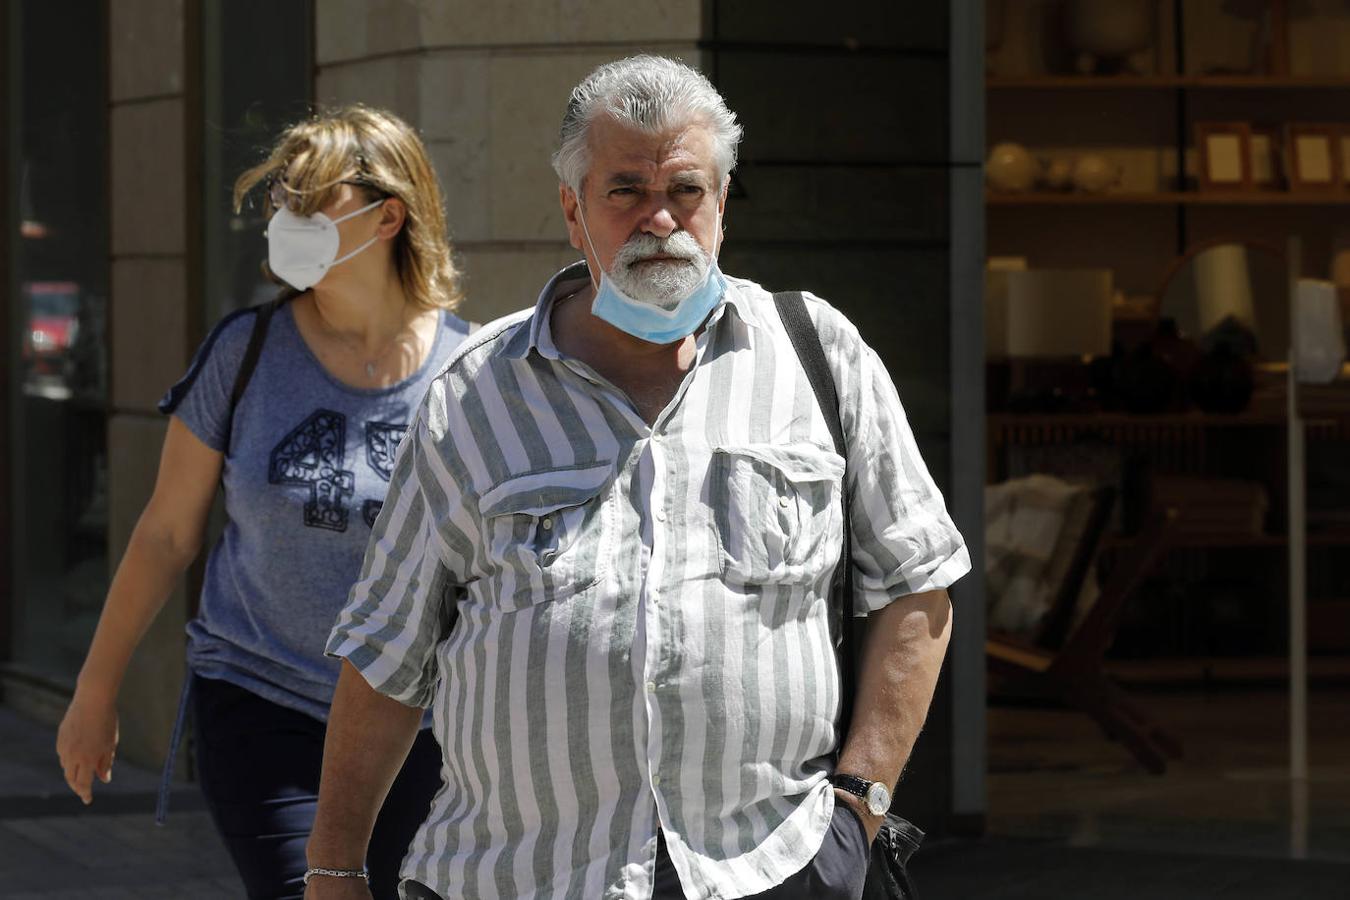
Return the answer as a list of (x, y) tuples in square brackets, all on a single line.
[(1223, 287)]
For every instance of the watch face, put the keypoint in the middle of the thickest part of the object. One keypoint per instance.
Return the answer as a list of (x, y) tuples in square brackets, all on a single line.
[(878, 799)]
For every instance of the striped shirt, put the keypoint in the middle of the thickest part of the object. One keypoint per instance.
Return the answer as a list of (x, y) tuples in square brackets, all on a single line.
[(622, 627)]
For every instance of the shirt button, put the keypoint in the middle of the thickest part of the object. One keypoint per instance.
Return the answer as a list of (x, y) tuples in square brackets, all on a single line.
[(651, 686), (656, 780), (660, 515), (783, 502), (547, 524)]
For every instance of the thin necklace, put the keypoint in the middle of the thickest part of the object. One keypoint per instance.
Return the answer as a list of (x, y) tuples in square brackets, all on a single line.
[(371, 364)]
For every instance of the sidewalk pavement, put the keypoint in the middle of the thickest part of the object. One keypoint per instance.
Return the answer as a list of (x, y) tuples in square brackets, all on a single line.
[(54, 848)]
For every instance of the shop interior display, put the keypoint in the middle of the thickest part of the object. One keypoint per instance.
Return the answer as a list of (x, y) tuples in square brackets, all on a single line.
[(1064, 657), (1187, 406)]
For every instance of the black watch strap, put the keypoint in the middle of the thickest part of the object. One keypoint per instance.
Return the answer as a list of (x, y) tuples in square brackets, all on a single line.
[(852, 783)]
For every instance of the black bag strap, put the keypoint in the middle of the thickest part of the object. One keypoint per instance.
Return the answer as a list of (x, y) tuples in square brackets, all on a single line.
[(250, 361), (806, 341)]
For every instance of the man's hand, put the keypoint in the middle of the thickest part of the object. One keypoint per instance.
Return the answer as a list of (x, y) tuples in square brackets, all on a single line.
[(871, 824), (901, 659), (367, 741)]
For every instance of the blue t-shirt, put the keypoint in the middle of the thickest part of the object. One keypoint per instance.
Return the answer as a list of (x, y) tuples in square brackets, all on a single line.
[(304, 476)]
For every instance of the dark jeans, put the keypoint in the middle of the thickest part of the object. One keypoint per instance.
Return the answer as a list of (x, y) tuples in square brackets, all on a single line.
[(838, 871), (259, 769)]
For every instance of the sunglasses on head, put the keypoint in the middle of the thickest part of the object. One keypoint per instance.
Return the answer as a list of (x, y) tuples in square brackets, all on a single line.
[(280, 194)]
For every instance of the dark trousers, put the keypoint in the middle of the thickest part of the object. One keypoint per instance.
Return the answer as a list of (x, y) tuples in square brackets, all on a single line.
[(837, 872), (259, 769)]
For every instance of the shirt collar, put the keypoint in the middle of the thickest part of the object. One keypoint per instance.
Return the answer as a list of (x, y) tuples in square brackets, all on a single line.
[(572, 278), (738, 300), (538, 335)]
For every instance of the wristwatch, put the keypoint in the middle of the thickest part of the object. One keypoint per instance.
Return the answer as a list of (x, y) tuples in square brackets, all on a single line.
[(875, 795)]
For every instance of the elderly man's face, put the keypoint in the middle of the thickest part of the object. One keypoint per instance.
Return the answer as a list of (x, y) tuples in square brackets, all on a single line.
[(651, 206)]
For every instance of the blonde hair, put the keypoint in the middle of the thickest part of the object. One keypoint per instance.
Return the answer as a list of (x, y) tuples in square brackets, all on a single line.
[(382, 154)]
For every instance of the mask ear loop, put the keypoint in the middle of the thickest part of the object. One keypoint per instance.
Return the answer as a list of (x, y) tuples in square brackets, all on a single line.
[(720, 234), (717, 251), (356, 212), (582, 216), (721, 231), (367, 208)]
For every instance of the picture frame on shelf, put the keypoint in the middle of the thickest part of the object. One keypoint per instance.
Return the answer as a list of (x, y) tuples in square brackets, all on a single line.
[(1264, 151), (1225, 156), (1344, 147), (1313, 156)]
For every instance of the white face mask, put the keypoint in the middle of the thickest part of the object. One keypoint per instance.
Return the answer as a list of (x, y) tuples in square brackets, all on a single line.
[(301, 249)]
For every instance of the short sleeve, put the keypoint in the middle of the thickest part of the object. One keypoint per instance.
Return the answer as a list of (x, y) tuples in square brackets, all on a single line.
[(403, 605), (904, 541), (201, 398)]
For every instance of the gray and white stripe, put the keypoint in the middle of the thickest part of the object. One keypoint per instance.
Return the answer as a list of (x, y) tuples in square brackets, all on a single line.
[(622, 628)]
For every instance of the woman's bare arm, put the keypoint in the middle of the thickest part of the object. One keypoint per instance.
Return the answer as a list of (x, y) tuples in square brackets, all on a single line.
[(166, 539)]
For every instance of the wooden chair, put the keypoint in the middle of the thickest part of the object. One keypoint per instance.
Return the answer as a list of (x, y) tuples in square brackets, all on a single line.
[(1067, 663)]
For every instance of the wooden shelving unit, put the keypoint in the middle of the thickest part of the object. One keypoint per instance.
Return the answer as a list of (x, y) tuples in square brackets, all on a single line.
[(1219, 541), (1172, 198), (1166, 82), (1170, 670), (1115, 420)]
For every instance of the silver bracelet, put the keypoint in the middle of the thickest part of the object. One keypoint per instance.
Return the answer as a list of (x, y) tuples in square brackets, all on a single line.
[(336, 873)]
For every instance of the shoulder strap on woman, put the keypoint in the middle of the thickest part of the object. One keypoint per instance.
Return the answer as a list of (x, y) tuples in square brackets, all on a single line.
[(250, 360)]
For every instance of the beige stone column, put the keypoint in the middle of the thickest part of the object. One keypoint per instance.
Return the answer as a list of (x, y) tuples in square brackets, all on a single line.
[(148, 320), (486, 84)]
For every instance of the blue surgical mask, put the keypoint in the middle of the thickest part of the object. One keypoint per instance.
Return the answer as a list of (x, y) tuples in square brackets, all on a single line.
[(647, 321)]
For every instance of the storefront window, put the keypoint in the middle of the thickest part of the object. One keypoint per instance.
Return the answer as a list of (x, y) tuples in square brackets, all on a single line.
[(57, 220), (256, 81)]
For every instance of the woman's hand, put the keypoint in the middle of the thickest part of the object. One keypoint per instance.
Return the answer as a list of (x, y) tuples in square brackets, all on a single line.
[(87, 742)]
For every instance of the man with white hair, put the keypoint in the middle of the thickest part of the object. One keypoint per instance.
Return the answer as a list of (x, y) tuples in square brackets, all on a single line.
[(605, 563)]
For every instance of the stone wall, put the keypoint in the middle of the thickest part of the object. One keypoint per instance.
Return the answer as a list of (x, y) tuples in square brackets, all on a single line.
[(149, 319), (486, 84)]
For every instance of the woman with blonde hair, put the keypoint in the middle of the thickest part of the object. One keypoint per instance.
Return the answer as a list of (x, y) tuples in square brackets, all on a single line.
[(296, 408)]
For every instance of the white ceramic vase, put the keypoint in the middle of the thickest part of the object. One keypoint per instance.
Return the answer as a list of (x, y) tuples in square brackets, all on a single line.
[(1095, 174), (1108, 30), (1011, 168)]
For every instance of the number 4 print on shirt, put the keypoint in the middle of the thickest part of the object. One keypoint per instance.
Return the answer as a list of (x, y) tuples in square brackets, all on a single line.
[(313, 455), (382, 440)]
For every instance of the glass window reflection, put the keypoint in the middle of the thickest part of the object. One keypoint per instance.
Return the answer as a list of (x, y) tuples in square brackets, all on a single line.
[(58, 242)]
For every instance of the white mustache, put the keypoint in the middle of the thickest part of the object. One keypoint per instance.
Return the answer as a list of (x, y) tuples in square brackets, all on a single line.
[(680, 245)]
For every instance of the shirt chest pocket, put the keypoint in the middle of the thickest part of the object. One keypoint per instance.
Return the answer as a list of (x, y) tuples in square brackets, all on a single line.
[(776, 511), (544, 535)]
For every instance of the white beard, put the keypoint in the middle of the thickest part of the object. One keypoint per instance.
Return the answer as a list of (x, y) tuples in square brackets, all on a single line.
[(661, 283)]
